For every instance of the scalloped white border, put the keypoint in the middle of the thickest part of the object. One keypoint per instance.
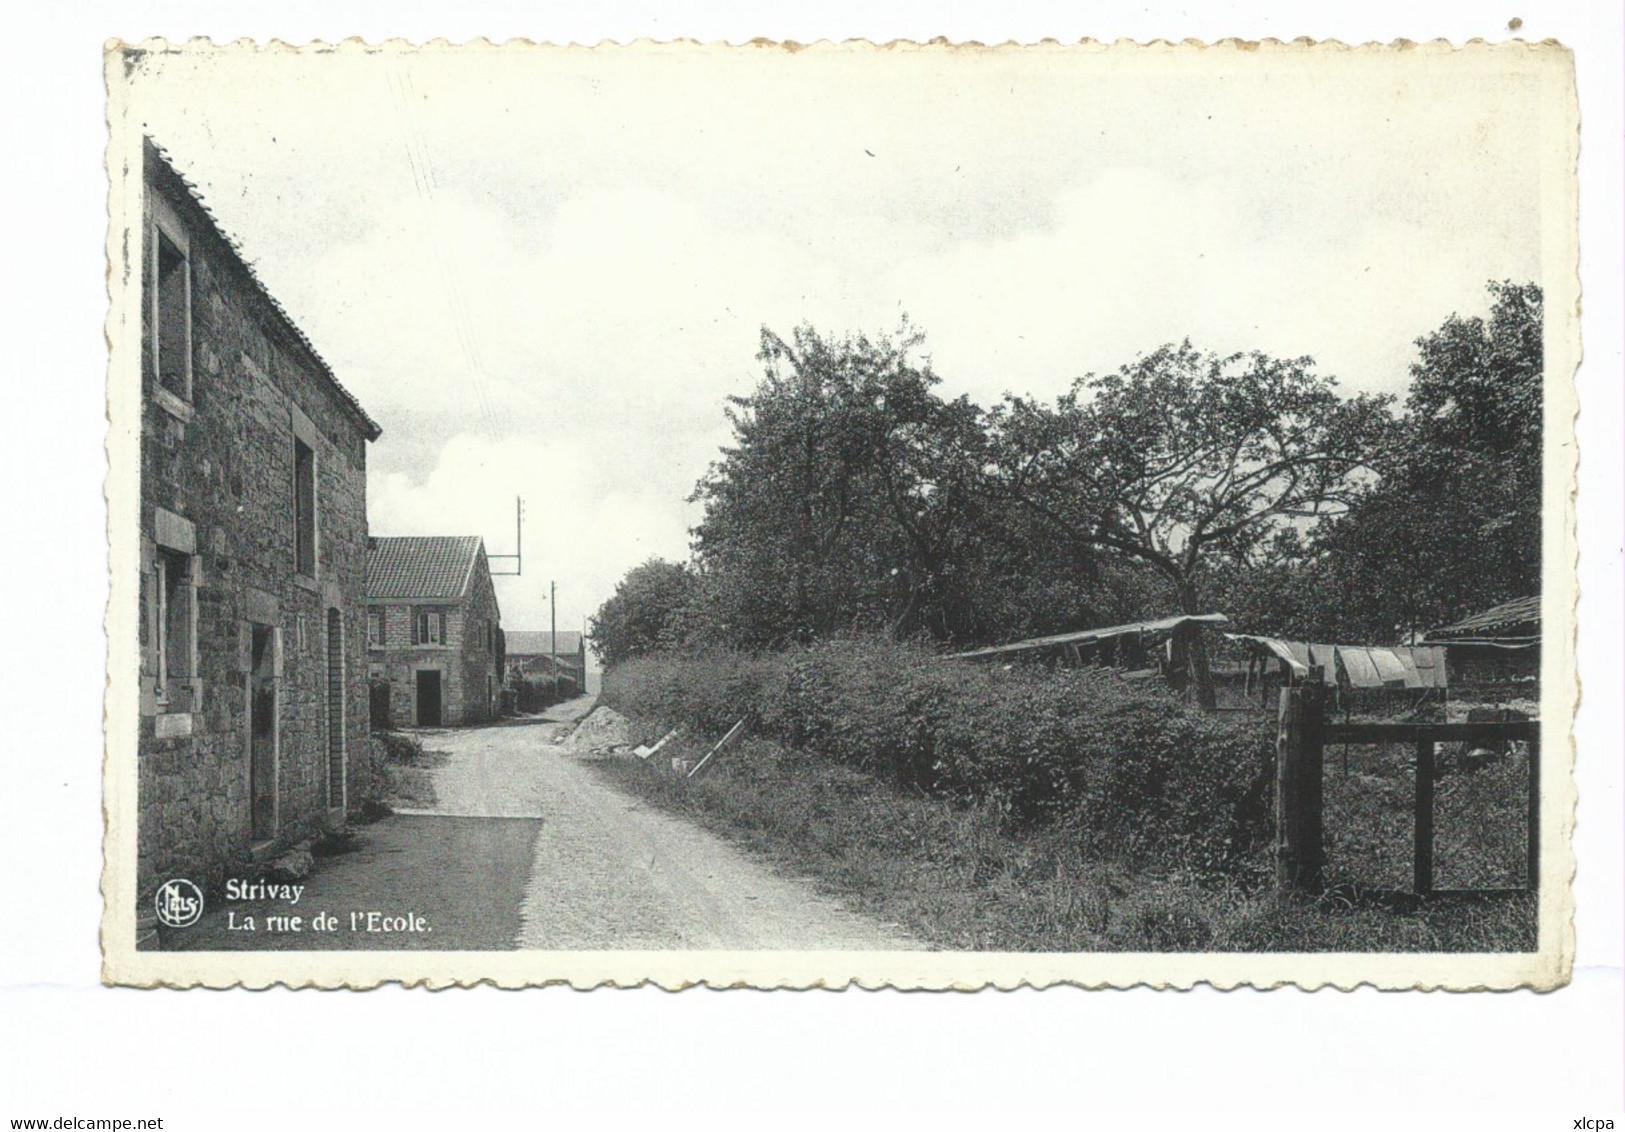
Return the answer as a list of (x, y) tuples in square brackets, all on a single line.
[(1548, 968)]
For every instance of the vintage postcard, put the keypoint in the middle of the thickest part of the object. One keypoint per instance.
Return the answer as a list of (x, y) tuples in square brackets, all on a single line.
[(913, 515)]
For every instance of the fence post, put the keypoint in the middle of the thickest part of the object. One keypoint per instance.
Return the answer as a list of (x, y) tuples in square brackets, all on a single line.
[(1300, 787), (1422, 883)]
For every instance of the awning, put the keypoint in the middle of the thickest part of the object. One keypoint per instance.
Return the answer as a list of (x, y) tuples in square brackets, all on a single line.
[(1363, 666), (1413, 674), (1326, 657), (1296, 655), (1357, 662), (1430, 666), (1297, 661), (1388, 665)]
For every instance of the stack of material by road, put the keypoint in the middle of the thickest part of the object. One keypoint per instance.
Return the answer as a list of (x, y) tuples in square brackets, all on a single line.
[(605, 729), (1353, 666)]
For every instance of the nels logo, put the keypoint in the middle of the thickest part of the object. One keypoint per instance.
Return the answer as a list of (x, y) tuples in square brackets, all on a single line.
[(178, 903)]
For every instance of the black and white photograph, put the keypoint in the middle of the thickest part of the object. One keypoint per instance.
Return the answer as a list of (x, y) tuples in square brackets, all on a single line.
[(832, 565), (778, 515)]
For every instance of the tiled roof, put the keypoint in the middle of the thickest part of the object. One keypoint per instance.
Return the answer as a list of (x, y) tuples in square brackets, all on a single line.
[(437, 566), (1523, 611), (525, 642), (163, 162)]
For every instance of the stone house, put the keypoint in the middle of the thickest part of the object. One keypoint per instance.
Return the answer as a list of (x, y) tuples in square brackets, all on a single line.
[(253, 527), (434, 632), (541, 655)]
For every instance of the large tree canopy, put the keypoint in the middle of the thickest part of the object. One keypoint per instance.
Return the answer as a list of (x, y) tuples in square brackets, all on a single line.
[(1184, 458), (648, 610), (845, 493), (1454, 524), (853, 495)]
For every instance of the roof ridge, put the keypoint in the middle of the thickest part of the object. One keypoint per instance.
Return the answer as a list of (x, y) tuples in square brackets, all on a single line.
[(473, 559), (280, 312)]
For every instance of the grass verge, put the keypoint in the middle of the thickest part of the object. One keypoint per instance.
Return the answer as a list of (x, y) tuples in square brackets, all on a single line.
[(958, 877)]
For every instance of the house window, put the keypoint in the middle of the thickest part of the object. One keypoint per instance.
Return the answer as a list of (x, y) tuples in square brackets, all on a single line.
[(304, 506), (490, 638), (173, 623), (429, 627), (172, 314), (375, 628)]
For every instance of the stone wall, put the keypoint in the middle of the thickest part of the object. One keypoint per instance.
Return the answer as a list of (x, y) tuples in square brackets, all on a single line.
[(217, 471), (464, 661), (477, 647)]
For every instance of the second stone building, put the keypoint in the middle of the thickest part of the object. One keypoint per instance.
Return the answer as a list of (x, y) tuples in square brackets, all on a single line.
[(434, 632)]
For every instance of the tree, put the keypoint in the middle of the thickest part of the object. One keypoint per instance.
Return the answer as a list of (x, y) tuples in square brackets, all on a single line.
[(844, 496), (1454, 524), (1183, 458), (646, 612)]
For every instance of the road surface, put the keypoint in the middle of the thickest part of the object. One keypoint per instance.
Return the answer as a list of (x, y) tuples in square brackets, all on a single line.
[(608, 872)]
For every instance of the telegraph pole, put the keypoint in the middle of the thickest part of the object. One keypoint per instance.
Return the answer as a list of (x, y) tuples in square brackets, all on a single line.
[(553, 643)]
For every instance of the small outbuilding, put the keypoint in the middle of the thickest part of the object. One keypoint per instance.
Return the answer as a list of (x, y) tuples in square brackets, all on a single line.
[(540, 654), (1498, 646), (1158, 648)]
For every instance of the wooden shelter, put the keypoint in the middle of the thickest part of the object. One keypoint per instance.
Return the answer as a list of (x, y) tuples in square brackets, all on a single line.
[(1501, 644), (1141, 649)]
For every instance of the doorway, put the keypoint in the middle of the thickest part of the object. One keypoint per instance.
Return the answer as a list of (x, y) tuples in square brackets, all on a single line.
[(428, 697), (335, 710), (262, 730)]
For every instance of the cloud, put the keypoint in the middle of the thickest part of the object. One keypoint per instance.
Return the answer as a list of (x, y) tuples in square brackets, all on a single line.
[(1136, 258), (579, 531), (545, 272)]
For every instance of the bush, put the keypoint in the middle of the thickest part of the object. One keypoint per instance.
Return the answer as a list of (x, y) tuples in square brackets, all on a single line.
[(399, 747), (533, 694), (403, 776), (1126, 763)]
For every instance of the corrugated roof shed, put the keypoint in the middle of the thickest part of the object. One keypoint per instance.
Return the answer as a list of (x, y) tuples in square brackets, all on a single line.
[(1516, 620), (527, 642), (435, 567), (1088, 636)]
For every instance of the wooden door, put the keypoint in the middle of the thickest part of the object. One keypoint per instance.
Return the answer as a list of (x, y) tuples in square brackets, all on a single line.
[(429, 713)]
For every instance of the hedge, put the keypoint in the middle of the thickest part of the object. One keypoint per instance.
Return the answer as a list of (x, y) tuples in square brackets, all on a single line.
[(1127, 763)]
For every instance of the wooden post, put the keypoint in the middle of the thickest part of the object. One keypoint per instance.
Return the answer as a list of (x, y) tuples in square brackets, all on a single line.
[(1179, 675), (722, 742), (1299, 788), (1534, 810), (1423, 859)]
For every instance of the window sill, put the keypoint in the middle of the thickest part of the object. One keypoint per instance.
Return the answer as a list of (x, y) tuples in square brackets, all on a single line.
[(175, 406), (308, 582), (172, 725)]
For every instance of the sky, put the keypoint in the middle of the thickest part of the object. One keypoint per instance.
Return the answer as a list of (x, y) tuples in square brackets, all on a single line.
[(544, 271)]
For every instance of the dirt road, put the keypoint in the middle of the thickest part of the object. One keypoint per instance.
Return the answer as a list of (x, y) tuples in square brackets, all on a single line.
[(610, 873)]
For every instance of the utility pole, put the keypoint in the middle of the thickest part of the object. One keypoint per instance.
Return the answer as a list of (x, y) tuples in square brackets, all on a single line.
[(553, 643)]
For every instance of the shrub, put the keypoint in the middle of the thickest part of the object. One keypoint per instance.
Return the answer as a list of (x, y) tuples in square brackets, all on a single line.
[(533, 694), (1128, 764), (399, 747)]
